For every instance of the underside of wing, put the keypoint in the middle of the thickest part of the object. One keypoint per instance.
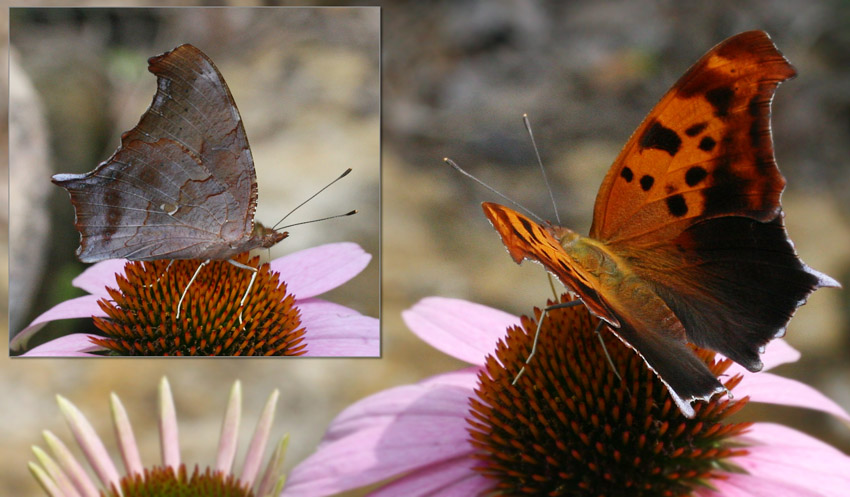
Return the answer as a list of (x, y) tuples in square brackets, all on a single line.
[(193, 107), (150, 201), (704, 151), (687, 378), (733, 282)]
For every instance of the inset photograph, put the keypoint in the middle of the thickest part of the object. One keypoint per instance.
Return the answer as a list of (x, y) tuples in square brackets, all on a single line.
[(143, 223)]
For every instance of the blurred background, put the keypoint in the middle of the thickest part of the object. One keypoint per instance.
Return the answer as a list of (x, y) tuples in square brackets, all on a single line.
[(456, 78)]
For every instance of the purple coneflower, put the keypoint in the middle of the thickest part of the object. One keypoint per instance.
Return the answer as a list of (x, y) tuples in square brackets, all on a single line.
[(61, 475), (570, 426), (134, 305)]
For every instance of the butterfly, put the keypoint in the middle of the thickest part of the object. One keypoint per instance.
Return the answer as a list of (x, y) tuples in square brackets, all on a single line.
[(182, 184), (687, 242)]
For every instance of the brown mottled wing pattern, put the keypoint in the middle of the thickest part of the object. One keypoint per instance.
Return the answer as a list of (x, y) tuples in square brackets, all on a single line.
[(692, 203), (525, 239), (182, 184)]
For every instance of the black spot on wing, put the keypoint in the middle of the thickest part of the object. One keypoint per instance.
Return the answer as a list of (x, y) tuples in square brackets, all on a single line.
[(707, 144), (695, 175), (696, 129), (627, 174), (677, 205), (720, 99), (661, 138), (646, 182), (726, 192)]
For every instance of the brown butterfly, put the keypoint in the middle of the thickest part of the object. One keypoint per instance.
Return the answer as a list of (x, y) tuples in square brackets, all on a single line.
[(182, 184), (687, 242)]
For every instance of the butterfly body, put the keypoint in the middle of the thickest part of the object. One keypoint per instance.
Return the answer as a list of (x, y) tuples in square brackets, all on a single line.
[(688, 242)]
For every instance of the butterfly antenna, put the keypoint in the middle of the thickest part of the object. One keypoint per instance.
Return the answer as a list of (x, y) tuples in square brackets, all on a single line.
[(497, 192), (344, 174), (540, 163), (317, 220)]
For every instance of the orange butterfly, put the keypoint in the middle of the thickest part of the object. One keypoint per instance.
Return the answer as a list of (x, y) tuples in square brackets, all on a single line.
[(687, 242)]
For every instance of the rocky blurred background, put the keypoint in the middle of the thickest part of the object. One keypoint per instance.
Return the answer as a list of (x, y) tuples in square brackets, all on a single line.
[(456, 78)]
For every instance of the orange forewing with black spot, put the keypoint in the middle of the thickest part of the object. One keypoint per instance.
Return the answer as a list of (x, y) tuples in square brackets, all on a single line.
[(687, 242), (704, 151)]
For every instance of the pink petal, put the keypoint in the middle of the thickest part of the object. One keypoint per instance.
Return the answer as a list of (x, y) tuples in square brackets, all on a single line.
[(337, 331), (312, 307), (316, 270), (452, 478), (96, 278), (742, 485), (71, 467), (46, 480), (254, 454), (74, 345), (773, 389), (353, 336), (52, 475), (126, 439), (461, 329), (784, 455), (90, 443), (169, 440), (228, 441), (455, 388), (273, 478), (80, 307), (385, 435)]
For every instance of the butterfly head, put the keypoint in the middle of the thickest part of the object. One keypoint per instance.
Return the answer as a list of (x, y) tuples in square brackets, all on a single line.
[(268, 236), (565, 236)]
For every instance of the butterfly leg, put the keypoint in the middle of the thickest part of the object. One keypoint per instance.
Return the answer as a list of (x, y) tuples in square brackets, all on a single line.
[(180, 303), (255, 271), (163, 272), (562, 305), (598, 332)]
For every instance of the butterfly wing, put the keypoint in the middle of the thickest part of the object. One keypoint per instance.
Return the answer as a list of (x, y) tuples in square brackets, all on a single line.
[(692, 203), (733, 282), (704, 151), (194, 107), (663, 347), (149, 201), (687, 242), (525, 239), (666, 352), (182, 183)]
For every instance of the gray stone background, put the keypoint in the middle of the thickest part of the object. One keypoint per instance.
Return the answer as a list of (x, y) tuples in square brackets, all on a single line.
[(457, 76)]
